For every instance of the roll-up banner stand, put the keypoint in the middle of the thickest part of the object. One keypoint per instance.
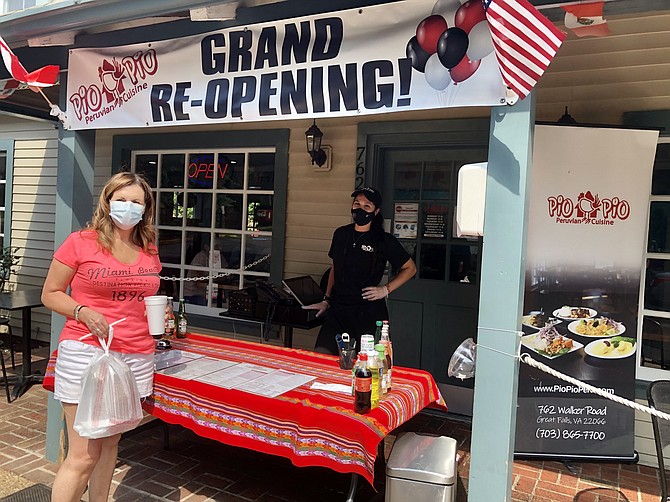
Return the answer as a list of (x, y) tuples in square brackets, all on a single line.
[(586, 235)]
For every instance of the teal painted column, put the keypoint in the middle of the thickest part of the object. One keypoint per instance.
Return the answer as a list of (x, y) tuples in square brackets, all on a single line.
[(74, 207), (501, 301)]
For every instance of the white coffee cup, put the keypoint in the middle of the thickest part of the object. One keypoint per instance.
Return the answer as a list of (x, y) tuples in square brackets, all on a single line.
[(155, 306)]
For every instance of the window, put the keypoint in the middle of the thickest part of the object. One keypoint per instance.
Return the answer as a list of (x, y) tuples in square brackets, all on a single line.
[(16, 5), (214, 216), (654, 318)]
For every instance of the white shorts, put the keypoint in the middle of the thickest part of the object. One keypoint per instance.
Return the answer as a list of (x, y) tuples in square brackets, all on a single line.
[(74, 357)]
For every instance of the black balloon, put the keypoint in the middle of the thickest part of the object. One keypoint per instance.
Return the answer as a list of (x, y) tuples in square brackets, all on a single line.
[(417, 55), (452, 46)]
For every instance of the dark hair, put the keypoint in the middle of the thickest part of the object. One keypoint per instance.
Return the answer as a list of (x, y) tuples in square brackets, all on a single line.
[(377, 238)]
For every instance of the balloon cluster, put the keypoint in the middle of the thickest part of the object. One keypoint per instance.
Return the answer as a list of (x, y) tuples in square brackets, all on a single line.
[(445, 53)]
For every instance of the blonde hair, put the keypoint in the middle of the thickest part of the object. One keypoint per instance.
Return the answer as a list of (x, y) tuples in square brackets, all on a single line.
[(144, 233)]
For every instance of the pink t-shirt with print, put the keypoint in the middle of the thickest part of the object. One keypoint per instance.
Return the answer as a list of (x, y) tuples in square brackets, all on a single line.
[(114, 289)]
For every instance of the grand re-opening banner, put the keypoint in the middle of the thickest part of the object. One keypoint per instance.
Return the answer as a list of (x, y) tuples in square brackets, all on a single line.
[(408, 55)]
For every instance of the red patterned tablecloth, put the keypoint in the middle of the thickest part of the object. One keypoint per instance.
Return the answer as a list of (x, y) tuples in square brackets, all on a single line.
[(310, 427)]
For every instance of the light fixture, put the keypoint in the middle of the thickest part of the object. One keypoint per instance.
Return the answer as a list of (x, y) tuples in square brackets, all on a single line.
[(566, 119), (313, 136)]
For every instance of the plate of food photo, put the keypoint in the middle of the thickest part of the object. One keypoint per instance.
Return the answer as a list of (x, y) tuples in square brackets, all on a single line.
[(550, 343), (538, 320), (617, 347), (571, 313), (600, 327)]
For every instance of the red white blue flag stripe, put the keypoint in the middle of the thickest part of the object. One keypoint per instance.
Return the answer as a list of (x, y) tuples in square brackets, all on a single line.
[(42, 77), (524, 41)]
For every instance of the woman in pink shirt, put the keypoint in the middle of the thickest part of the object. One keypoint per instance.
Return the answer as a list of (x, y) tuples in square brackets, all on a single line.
[(110, 267)]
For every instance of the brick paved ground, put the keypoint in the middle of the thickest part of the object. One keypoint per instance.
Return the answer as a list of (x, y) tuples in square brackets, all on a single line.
[(195, 469)]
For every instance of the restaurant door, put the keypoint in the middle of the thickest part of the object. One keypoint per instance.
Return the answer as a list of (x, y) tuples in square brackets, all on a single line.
[(438, 309)]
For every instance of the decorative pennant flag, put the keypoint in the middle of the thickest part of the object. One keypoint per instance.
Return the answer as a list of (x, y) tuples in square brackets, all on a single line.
[(8, 86), (524, 40), (586, 19), (42, 77)]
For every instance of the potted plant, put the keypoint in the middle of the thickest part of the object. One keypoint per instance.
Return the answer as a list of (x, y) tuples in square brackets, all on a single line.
[(8, 260)]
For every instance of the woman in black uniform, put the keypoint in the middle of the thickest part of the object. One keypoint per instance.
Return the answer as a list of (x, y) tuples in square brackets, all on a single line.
[(354, 300)]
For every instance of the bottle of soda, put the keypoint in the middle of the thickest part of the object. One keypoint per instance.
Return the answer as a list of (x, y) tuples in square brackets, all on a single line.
[(182, 320), (378, 332), (363, 385), (353, 374), (169, 320)]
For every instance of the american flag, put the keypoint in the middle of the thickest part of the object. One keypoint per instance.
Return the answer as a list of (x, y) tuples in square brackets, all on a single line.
[(524, 41)]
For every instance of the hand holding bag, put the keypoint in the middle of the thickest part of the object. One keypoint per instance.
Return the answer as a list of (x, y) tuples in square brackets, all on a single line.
[(109, 402)]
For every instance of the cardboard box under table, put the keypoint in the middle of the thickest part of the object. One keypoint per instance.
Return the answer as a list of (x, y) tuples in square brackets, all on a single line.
[(422, 468)]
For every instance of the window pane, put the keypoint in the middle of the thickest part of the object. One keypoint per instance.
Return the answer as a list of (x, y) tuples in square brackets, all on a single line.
[(199, 210), (169, 246), (201, 170), (435, 218), (256, 248), (659, 229), (660, 181), (3, 165), (170, 288), (657, 287), (261, 171), (170, 209), (231, 171), (230, 247), (655, 346), (2, 194), (172, 171), (147, 165), (229, 211), (432, 263), (437, 181), (259, 213), (197, 255), (463, 263), (406, 180)]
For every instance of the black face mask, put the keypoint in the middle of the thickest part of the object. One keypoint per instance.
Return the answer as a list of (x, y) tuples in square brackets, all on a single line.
[(361, 216)]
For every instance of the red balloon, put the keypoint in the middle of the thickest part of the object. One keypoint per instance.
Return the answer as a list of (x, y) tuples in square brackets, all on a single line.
[(429, 31), (469, 14), (464, 69)]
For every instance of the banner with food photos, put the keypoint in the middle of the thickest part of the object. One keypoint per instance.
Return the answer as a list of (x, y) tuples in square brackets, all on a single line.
[(406, 55), (586, 237)]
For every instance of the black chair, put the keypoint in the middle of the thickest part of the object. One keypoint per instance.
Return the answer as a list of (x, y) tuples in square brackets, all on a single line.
[(658, 395), (4, 373), (4, 321)]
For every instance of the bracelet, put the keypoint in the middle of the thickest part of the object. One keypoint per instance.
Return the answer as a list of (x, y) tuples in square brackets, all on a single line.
[(76, 311), (326, 299)]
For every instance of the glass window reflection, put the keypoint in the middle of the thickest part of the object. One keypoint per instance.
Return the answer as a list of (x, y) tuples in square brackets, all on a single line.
[(463, 263), (433, 261), (230, 171), (261, 171), (437, 181), (655, 345), (660, 181), (659, 228), (199, 210), (406, 180), (147, 166), (230, 248), (229, 211), (657, 285), (259, 213), (256, 248), (172, 170), (169, 246)]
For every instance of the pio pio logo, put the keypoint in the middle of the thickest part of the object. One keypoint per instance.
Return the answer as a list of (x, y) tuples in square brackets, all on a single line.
[(587, 209), (119, 81)]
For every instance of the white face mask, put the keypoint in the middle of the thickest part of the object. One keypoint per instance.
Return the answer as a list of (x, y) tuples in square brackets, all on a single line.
[(125, 214)]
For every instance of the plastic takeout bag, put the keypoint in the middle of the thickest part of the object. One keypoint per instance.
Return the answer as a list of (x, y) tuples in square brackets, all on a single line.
[(109, 402)]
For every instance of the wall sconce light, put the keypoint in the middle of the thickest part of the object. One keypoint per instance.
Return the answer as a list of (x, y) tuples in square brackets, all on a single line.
[(566, 119), (313, 136)]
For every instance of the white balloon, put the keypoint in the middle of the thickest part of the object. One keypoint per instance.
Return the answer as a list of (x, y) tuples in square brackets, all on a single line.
[(447, 9), (480, 44), (436, 74)]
